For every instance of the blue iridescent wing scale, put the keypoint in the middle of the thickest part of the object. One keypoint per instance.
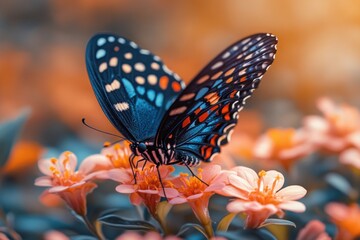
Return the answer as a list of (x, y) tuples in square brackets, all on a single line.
[(204, 114), (133, 86)]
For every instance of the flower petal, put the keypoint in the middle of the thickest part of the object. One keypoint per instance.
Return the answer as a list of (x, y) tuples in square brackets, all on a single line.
[(44, 166), (294, 206), (230, 191), (120, 175), (178, 200), (93, 163), (272, 177), (292, 192), (44, 181), (123, 188), (210, 172), (67, 161), (240, 183), (58, 189), (195, 196), (248, 174)]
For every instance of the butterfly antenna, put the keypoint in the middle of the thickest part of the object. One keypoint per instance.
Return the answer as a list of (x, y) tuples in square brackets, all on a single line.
[(98, 130)]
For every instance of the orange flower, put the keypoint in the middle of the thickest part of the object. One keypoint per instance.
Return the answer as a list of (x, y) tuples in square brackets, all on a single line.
[(197, 194), (259, 195), (346, 218), (72, 186), (314, 230), (338, 130), (147, 189), (283, 146), (118, 156)]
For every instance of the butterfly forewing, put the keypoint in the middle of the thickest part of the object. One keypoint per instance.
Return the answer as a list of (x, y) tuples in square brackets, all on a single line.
[(133, 86), (204, 114)]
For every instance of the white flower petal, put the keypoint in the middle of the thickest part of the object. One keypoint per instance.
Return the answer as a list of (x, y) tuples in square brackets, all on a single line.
[(293, 206), (272, 177), (292, 192), (240, 183)]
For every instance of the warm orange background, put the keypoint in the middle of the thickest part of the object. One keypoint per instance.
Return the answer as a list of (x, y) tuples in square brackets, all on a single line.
[(42, 47)]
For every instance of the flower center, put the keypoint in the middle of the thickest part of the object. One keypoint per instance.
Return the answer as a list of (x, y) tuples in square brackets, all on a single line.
[(282, 138), (191, 185), (265, 194), (148, 179), (63, 173), (120, 158)]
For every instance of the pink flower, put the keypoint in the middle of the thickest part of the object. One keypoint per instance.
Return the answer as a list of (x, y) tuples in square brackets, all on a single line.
[(197, 194), (338, 130), (259, 195), (351, 157), (130, 235), (55, 235), (147, 189), (346, 218), (314, 230), (72, 186), (283, 146), (118, 154)]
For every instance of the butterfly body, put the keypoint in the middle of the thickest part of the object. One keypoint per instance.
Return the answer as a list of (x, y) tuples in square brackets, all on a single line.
[(165, 122)]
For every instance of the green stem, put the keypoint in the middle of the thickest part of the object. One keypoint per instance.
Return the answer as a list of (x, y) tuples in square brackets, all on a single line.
[(96, 231)]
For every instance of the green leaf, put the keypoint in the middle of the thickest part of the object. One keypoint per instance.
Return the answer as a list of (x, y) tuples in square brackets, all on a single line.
[(276, 221), (124, 223), (9, 133), (342, 184), (188, 226), (225, 222)]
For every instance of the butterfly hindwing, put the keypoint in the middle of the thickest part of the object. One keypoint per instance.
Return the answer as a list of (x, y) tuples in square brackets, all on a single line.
[(133, 86), (204, 114)]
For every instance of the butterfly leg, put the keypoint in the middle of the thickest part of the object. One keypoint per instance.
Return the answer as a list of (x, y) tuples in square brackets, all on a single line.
[(162, 185), (131, 161), (194, 175)]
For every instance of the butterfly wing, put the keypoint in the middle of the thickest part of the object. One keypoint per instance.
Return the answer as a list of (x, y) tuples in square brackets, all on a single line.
[(133, 86), (204, 114)]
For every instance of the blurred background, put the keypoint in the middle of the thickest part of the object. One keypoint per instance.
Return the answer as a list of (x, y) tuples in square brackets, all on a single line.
[(42, 49)]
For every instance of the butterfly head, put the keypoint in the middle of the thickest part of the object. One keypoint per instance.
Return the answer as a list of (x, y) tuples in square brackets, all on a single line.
[(138, 148)]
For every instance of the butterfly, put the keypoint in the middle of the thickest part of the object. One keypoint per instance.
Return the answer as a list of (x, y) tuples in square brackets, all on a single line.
[(166, 122)]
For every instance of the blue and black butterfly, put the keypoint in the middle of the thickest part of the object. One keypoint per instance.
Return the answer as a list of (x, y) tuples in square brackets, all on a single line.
[(166, 122)]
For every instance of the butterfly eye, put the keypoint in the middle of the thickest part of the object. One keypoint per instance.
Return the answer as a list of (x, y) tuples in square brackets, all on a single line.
[(142, 147)]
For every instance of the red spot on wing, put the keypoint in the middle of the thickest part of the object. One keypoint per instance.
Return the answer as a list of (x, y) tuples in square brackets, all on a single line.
[(176, 86), (186, 122), (203, 117), (163, 82)]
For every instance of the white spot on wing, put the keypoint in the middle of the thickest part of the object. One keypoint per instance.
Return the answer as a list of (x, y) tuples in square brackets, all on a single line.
[(140, 80), (217, 65), (121, 40), (113, 62), (155, 66), (126, 68), (226, 55), (101, 41), (102, 67), (121, 106), (113, 86), (132, 44), (100, 53), (152, 79), (128, 55), (111, 39), (139, 67), (145, 51)]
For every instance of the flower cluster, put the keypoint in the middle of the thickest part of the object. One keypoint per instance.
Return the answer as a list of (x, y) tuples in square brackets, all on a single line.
[(256, 198)]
